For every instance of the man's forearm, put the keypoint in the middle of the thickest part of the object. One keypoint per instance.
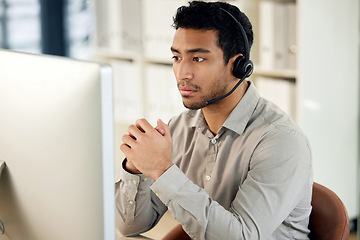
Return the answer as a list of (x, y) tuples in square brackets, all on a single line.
[(137, 208)]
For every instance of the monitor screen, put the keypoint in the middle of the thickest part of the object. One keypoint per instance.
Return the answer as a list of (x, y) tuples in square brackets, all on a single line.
[(57, 142)]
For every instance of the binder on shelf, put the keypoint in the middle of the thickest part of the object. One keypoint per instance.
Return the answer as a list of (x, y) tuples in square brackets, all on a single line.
[(113, 21), (163, 99), (277, 35), (131, 25), (157, 27), (266, 35), (281, 92), (280, 36), (128, 96), (292, 43), (102, 35), (118, 25)]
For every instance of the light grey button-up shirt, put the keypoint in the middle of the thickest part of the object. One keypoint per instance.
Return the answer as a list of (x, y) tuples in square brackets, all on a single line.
[(253, 180)]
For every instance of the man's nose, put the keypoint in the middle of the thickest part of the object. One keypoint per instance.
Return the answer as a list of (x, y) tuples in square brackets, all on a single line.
[(183, 71)]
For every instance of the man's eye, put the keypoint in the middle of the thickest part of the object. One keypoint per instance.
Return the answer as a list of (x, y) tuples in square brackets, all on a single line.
[(198, 59), (175, 58)]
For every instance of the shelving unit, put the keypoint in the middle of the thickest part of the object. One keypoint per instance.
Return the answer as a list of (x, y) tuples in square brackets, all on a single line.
[(136, 35)]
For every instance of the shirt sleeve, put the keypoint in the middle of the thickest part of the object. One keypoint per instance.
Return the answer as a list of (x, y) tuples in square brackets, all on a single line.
[(280, 170), (138, 209)]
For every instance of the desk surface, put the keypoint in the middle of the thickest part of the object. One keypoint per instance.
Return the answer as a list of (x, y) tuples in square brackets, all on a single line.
[(137, 238), (164, 226)]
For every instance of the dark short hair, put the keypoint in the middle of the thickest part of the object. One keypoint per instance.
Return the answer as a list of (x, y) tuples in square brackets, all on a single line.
[(209, 16)]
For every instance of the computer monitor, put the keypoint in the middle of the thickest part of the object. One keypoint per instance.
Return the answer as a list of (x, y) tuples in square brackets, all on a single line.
[(57, 141)]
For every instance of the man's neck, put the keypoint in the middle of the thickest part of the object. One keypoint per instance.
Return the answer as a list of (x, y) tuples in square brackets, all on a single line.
[(216, 114)]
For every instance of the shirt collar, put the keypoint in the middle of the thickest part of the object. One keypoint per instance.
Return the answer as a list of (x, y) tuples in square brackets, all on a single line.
[(197, 120), (238, 118)]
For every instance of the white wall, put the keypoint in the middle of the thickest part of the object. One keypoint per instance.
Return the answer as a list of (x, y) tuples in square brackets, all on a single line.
[(329, 92)]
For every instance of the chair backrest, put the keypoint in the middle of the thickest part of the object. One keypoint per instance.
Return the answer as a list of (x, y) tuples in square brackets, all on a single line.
[(328, 219)]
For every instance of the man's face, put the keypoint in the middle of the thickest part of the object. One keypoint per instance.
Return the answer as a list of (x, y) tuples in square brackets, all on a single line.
[(199, 67)]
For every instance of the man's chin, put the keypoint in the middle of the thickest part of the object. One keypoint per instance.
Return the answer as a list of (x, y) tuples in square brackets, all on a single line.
[(194, 105)]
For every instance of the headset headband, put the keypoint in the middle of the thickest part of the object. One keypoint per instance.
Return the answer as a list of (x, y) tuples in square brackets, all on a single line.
[(246, 42)]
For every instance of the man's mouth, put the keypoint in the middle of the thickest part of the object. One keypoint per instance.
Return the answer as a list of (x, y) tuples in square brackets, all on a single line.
[(187, 91)]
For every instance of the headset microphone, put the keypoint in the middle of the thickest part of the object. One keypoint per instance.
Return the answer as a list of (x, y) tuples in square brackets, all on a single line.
[(214, 100), (243, 66)]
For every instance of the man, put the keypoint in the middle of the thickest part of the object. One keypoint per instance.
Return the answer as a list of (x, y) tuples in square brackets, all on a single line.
[(233, 166)]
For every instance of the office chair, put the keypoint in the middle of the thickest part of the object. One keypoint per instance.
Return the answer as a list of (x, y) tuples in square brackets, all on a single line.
[(177, 233), (328, 219)]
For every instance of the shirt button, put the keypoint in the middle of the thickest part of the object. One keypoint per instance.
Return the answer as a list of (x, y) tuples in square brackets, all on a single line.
[(135, 182), (131, 202), (145, 179), (208, 178), (213, 141)]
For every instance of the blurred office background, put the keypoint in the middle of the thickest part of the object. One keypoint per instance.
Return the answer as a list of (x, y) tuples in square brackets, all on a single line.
[(57, 27), (306, 57)]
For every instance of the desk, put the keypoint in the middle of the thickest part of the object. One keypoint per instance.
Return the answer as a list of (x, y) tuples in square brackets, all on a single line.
[(133, 238), (166, 223)]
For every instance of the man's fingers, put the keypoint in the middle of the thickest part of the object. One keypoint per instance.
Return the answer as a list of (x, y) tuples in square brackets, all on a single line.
[(162, 128), (129, 140), (144, 126), (125, 148), (134, 132)]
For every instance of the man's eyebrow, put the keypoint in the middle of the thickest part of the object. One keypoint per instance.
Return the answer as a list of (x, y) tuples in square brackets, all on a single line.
[(201, 50), (194, 50), (174, 50)]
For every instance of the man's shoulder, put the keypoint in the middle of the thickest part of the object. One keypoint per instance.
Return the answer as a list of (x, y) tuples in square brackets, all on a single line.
[(268, 118)]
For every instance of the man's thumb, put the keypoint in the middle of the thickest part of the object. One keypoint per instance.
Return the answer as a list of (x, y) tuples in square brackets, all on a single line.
[(161, 127)]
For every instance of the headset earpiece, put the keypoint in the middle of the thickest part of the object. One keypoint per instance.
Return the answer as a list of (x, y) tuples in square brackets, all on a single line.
[(242, 68), (248, 68)]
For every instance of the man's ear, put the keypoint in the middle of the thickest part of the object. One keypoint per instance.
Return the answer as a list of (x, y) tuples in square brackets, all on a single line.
[(232, 59)]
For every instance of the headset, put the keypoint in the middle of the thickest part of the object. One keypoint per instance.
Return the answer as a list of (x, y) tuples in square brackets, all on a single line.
[(243, 66)]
